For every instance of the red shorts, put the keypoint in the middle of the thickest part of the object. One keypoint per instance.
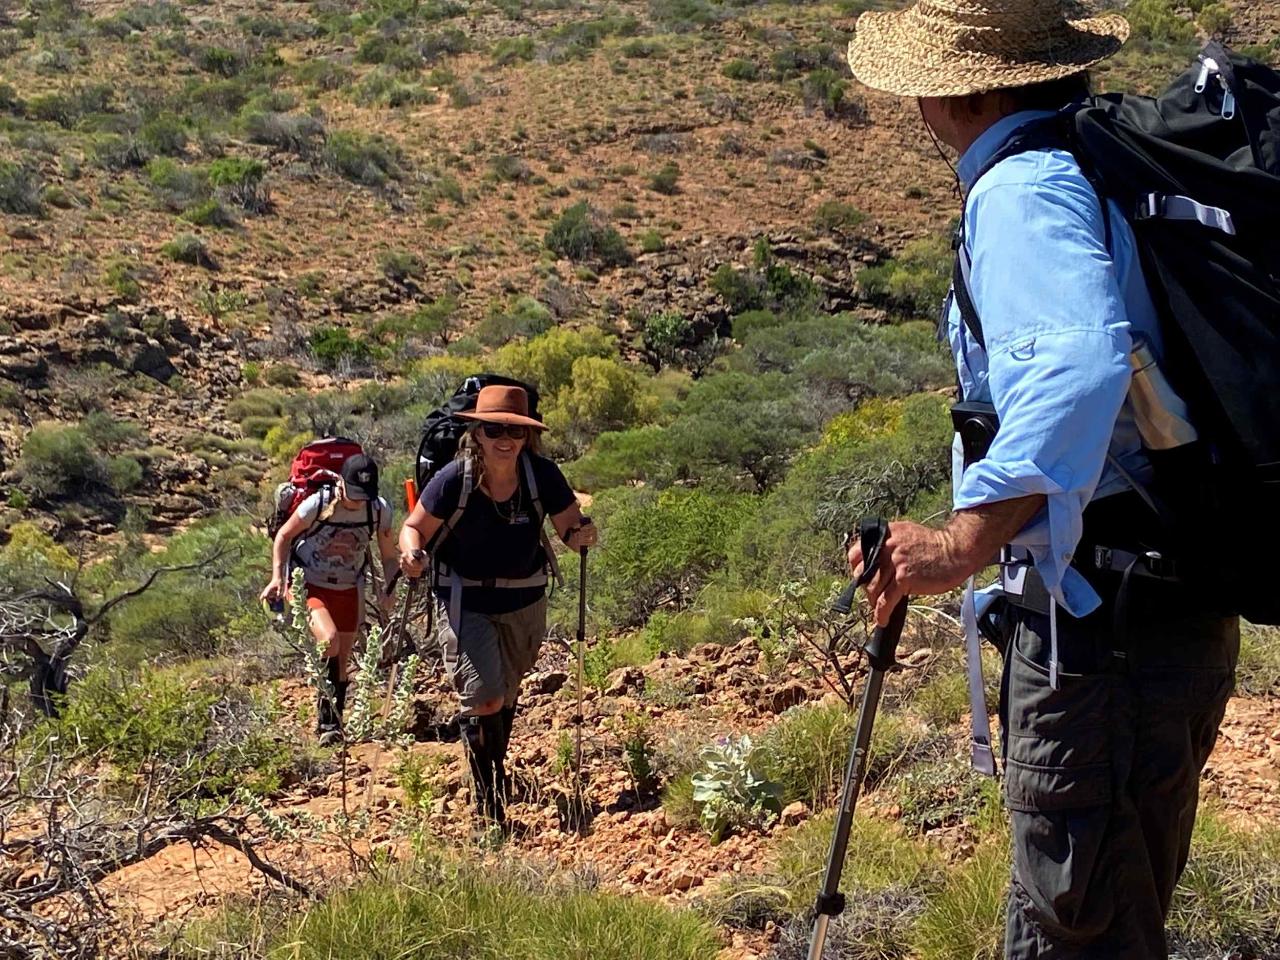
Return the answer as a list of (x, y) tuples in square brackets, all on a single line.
[(343, 606)]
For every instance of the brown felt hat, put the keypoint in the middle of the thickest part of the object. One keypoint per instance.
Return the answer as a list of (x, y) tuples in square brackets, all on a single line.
[(952, 48), (498, 404)]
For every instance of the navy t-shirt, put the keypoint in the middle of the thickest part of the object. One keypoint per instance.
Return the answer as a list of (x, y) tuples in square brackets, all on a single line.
[(493, 540)]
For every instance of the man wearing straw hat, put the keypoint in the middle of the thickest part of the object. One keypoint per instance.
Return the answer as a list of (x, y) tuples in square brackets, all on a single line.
[(1116, 674)]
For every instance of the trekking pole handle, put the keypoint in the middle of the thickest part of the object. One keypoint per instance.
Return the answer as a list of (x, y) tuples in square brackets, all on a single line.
[(872, 533)]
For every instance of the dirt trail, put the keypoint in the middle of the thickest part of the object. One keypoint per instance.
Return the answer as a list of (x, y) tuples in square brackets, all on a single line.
[(630, 845)]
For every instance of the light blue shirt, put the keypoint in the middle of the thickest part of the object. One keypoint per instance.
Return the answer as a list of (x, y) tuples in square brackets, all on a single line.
[(1059, 312)]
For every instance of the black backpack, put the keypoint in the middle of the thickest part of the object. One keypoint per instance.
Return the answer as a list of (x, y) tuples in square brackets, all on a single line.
[(1197, 170), (443, 428)]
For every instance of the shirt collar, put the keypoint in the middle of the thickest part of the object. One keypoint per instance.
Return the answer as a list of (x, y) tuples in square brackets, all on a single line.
[(991, 140)]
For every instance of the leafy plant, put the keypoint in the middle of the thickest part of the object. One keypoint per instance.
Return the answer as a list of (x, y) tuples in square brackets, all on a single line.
[(666, 180), (733, 790), (20, 188), (582, 233)]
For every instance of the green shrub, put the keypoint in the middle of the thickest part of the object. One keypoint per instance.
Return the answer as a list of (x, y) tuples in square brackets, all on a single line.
[(916, 280), (620, 457), (837, 216), (240, 180), (209, 213), (370, 160), (295, 133), (523, 317), (1214, 19), (443, 910), (945, 793), (824, 89), (187, 613), (188, 248), (581, 233), (333, 346), (164, 136), (663, 548), (678, 805), (509, 50), (651, 241), (20, 188), (1157, 22), (176, 186), (60, 460), (603, 394), (641, 48), (735, 427), (400, 265), (546, 361), (965, 918), (219, 60), (740, 69), (806, 752), (666, 180), (944, 700)]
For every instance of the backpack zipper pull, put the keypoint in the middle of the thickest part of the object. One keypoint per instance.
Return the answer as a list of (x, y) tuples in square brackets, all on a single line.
[(1207, 66), (1228, 99)]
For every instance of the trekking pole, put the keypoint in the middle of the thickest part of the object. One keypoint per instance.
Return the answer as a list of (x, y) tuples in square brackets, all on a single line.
[(582, 646), (881, 653)]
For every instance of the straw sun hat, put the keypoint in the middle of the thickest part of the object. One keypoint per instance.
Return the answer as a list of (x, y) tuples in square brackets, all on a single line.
[(951, 48)]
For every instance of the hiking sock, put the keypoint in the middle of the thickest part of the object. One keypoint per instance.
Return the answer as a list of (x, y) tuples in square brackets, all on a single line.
[(481, 763), (494, 728)]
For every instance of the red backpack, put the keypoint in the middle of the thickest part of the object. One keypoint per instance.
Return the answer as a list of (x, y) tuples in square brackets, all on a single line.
[(316, 467)]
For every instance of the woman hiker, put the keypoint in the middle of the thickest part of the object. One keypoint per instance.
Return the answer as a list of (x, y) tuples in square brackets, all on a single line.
[(329, 535), (486, 509)]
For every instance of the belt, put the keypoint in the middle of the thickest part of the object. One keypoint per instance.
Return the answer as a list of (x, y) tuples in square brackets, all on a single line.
[(456, 582), (1022, 584)]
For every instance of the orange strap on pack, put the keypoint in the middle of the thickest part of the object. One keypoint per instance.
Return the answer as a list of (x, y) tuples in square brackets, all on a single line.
[(410, 494)]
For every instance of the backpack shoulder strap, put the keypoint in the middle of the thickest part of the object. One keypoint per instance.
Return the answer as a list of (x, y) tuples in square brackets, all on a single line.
[(531, 481), (468, 484)]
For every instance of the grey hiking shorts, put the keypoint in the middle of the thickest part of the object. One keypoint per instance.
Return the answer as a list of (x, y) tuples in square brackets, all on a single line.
[(490, 653)]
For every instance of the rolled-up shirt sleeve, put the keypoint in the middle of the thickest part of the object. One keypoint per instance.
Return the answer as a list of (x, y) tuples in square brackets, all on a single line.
[(1057, 344)]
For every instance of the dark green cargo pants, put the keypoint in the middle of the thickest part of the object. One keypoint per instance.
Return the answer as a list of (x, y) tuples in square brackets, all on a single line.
[(1101, 775)]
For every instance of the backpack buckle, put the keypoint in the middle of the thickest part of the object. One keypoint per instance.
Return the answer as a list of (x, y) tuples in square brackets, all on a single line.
[(1150, 207)]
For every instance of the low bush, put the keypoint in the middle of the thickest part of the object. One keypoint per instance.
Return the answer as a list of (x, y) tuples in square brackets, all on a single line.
[(836, 216), (666, 180), (881, 858), (240, 180), (581, 233), (740, 69), (366, 159), (547, 361), (440, 910), (663, 548), (511, 50), (164, 136), (400, 265), (188, 248), (965, 916), (20, 188), (732, 789), (334, 346), (1157, 22), (943, 793), (807, 749), (824, 90), (61, 460), (603, 394), (944, 700), (295, 133), (621, 457), (916, 280), (1258, 669)]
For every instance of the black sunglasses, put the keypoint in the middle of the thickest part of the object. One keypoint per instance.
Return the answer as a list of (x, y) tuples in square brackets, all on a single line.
[(515, 431)]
